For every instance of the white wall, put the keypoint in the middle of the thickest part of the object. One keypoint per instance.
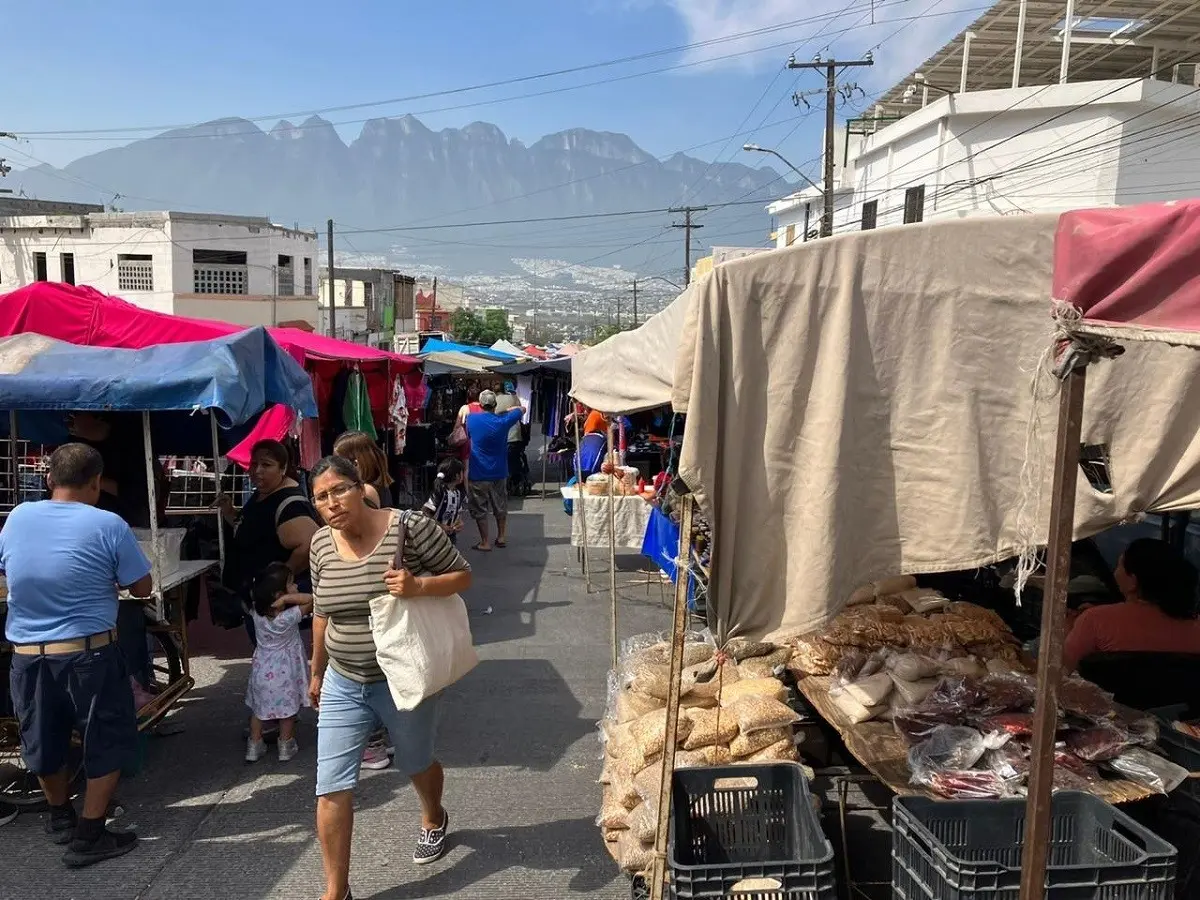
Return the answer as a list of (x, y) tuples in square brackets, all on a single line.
[(845, 216), (95, 250)]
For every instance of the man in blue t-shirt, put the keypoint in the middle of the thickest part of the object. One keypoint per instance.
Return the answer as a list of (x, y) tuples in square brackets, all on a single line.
[(487, 473), (64, 560)]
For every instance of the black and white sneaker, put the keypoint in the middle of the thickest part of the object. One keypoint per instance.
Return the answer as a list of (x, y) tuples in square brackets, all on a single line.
[(431, 845)]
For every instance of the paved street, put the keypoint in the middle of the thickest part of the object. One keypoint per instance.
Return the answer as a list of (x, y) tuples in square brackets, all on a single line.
[(517, 738)]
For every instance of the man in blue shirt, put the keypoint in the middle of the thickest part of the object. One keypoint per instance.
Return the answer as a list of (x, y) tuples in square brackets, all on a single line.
[(487, 486), (64, 559)]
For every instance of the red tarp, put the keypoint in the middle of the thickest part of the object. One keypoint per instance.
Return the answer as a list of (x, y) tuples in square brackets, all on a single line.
[(83, 315), (1133, 272)]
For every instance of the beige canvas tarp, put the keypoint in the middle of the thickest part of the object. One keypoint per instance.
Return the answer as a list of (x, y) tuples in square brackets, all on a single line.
[(634, 370), (858, 407)]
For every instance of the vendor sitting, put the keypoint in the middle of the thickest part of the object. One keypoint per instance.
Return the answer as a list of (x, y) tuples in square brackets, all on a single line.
[(1159, 614), (64, 560)]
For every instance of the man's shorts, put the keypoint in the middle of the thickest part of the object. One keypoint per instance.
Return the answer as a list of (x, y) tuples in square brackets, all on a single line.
[(484, 497), (87, 692)]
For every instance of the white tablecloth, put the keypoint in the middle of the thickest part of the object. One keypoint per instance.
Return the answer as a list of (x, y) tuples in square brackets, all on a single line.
[(630, 517)]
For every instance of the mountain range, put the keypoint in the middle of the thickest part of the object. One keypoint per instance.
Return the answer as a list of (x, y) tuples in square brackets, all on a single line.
[(398, 172)]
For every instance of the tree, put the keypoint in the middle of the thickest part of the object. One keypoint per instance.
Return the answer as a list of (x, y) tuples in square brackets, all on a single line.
[(466, 326), (603, 333)]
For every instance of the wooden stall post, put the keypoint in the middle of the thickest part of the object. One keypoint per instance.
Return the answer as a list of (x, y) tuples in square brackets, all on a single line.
[(1054, 619), (612, 547), (152, 493), (683, 576)]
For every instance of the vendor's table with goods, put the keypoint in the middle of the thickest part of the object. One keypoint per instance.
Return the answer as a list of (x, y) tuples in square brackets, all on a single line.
[(630, 514), (933, 697)]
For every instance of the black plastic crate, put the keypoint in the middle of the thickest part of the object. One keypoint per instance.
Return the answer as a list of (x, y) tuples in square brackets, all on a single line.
[(1184, 750), (957, 849), (753, 828)]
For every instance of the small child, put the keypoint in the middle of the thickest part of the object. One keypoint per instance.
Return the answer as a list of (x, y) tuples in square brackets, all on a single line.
[(279, 670), (445, 503)]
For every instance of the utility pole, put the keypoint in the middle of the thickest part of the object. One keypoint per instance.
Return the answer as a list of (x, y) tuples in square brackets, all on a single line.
[(687, 227), (332, 304), (831, 90), (5, 169), (635, 315)]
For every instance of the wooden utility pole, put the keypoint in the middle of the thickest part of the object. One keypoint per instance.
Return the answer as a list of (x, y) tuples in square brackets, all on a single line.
[(635, 316), (687, 227), (831, 67), (332, 304)]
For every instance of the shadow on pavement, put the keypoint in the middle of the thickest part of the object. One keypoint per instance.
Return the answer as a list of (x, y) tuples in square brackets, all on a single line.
[(549, 846)]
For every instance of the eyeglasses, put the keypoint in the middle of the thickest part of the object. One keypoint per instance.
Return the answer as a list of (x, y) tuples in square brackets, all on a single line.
[(337, 492)]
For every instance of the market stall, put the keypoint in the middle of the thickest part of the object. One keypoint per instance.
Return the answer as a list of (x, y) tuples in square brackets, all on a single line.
[(356, 387), (897, 386), (195, 398)]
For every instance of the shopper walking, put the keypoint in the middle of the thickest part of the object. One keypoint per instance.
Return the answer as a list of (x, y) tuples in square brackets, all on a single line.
[(64, 558), (351, 563), (487, 486)]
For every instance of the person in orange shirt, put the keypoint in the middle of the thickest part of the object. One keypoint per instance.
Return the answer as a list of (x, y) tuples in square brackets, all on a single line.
[(595, 423), (1159, 613)]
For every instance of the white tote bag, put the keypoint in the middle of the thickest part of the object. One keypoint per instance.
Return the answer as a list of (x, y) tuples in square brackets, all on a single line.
[(423, 645)]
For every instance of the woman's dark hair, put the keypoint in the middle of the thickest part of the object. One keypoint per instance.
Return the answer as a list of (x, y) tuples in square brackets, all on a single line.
[(473, 393), (271, 583), (359, 448), (338, 465), (449, 470), (1164, 577), (279, 453)]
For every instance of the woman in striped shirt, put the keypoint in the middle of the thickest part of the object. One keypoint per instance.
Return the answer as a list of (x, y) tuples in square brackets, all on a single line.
[(351, 562)]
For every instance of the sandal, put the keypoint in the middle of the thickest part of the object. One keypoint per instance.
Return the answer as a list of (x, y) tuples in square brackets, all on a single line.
[(501, 544), (482, 549)]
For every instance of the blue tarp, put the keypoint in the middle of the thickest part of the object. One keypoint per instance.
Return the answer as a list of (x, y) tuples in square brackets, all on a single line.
[(235, 376), (434, 345)]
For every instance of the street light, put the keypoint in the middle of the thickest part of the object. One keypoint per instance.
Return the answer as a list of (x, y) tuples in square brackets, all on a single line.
[(757, 149)]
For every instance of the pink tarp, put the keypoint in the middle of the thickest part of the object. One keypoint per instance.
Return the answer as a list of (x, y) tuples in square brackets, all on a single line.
[(1133, 272), (83, 315)]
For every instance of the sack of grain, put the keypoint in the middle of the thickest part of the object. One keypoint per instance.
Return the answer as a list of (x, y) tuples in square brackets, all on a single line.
[(745, 745), (780, 751), (650, 732), (753, 687), (643, 824), (633, 856), (813, 655), (710, 726), (854, 711), (870, 691), (710, 684), (756, 713), (613, 815)]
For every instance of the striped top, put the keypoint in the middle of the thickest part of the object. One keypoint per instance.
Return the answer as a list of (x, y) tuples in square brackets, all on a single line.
[(342, 589)]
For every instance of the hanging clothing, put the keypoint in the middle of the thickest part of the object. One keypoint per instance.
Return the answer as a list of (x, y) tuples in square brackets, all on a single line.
[(356, 411), (525, 395), (310, 443)]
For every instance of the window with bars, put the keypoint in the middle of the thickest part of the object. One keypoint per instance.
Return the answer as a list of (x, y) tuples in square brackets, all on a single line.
[(219, 272), (914, 204), (135, 272), (40, 272), (870, 214), (286, 276), (67, 261), (308, 287)]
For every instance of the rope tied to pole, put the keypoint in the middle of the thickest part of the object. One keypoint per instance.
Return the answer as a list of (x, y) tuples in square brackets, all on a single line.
[(1067, 349)]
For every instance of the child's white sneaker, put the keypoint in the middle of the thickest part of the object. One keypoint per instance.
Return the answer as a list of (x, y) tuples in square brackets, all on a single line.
[(255, 750), (288, 750)]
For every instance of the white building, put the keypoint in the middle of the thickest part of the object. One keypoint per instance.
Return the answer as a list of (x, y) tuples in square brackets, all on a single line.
[(1025, 112), (238, 269)]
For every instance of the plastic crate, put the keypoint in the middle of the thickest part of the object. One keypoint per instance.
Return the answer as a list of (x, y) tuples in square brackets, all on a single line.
[(952, 849), (749, 832), (1183, 750)]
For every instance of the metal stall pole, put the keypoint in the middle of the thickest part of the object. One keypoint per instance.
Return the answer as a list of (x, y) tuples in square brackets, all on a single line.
[(612, 547), (13, 461), (545, 435), (578, 505), (216, 449), (658, 872), (152, 491), (1054, 618)]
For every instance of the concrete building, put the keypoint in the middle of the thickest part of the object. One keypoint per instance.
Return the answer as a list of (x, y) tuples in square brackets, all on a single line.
[(1027, 110), (239, 269), (372, 306)]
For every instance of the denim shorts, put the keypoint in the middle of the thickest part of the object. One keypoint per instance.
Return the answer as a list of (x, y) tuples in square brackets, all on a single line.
[(87, 692), (350, 712)]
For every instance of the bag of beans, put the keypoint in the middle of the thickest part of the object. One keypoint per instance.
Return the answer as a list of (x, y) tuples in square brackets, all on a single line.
[(745, 745), (753, 687), (757, 713), (710, 726), (780, 751), (650, 732), (632, 855)]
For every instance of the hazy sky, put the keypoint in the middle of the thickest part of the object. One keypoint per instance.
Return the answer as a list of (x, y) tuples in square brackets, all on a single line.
[(74, 65)]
